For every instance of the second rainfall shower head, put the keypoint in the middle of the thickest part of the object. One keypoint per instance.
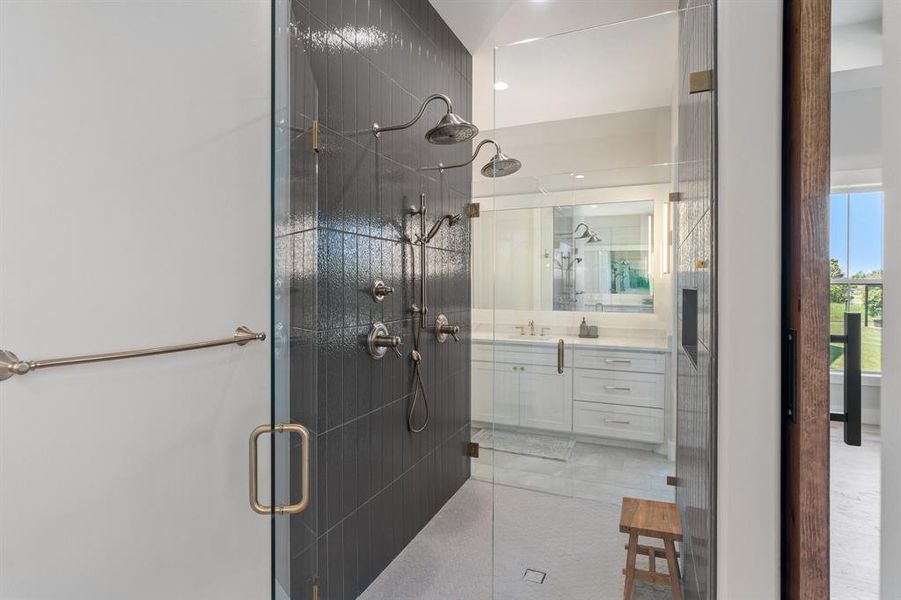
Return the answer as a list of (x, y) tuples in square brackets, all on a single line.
[(500, 165)]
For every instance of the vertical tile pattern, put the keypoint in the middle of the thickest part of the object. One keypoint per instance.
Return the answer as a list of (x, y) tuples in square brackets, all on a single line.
[(375, 485), (696, 409)]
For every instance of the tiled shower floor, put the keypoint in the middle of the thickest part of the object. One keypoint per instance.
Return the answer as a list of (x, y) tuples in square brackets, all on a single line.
[(568, 531)]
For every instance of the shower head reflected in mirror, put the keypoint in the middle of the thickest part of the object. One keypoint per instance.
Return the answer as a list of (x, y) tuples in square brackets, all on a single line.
[(500, 164), (450, 129), (588, 234)]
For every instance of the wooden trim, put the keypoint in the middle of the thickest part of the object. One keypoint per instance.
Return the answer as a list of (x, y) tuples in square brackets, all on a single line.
[(806, 175)]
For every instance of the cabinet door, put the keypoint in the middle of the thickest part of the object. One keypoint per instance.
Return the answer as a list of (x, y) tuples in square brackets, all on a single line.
[(495, 393), (506, 394), (482, 391), (545, 398)]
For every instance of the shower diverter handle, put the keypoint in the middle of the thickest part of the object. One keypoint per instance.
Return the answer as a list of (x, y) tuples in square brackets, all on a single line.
[(443, 329), (378, 341)]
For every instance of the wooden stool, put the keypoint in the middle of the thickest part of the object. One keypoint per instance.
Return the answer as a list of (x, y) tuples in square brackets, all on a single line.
[(658, 520)]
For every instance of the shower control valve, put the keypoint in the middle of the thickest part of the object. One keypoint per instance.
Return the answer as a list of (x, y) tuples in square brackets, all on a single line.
[(444, 329), (378, 341), (380, 290)]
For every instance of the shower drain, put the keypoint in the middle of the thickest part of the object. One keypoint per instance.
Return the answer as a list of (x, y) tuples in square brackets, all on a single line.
[(533, 576)]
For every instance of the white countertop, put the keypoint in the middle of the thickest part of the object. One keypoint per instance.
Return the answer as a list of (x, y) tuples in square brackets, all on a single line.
[(648, 343)]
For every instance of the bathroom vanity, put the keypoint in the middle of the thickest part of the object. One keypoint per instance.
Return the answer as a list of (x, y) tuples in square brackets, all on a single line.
[(610, 388)]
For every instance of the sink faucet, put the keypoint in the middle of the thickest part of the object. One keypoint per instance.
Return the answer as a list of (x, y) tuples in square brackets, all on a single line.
[(532, 327)]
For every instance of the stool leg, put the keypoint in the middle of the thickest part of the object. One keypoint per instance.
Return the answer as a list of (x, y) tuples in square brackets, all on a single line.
[(673, 564), (630, 566)]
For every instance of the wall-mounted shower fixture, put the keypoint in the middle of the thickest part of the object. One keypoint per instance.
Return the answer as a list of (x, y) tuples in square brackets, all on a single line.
[(378, 341), (588, 234), (451, 129), (380, 290), (422, 239), (443, 329), (500, 164)]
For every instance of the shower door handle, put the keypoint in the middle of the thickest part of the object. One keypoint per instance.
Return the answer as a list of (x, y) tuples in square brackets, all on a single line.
[(287, 509)]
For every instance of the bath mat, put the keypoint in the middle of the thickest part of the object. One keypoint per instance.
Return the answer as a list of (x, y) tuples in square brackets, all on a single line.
[(529, 444)]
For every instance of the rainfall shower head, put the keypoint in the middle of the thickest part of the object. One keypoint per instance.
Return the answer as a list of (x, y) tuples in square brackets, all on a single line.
[(500, 165), (451, 129)]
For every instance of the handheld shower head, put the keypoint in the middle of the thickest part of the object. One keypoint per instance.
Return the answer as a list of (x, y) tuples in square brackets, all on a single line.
[(451, 129), (451, 221)]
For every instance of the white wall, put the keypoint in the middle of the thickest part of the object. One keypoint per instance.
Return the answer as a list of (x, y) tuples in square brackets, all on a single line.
[(134, 212), (749, 74), (890, 574)]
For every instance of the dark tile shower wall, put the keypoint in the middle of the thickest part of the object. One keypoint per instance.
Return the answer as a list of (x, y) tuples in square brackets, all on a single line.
[(696, 297), (375, 485)]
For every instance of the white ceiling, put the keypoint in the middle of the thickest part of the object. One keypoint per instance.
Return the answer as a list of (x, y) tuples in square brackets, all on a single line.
[(588, 100), (616, 69), (484, 24)]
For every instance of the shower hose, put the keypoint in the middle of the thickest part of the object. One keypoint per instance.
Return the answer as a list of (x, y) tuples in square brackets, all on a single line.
[(418, 386)]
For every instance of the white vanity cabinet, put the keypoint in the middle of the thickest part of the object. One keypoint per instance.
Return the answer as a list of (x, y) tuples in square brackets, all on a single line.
[(522, 386), (609, 392), (620, 394)]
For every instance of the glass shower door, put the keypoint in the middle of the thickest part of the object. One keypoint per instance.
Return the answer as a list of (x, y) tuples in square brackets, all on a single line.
[(582, 303), (296, 438)]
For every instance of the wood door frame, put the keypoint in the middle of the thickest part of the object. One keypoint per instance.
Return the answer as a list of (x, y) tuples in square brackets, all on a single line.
[(806, 180)]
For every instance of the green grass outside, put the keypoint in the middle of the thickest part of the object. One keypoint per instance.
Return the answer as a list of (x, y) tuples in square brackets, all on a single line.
[(870, 343)]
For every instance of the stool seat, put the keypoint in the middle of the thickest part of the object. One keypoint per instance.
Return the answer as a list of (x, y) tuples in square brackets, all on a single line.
[(650, 518)]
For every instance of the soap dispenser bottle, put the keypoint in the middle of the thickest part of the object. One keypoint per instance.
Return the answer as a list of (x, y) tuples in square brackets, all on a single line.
[(583, 329)]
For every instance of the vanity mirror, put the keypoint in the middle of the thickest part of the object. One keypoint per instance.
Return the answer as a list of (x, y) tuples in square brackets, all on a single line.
[(583, 257)]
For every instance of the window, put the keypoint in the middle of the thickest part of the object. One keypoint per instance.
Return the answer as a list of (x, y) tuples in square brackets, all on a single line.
[(855, 250)]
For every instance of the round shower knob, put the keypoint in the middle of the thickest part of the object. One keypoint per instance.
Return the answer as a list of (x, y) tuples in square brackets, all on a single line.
[(444, 329), (378, 341)]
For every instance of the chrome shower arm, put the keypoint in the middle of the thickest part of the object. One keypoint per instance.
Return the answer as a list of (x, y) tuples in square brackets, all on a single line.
[(450, 108), (475, 155)]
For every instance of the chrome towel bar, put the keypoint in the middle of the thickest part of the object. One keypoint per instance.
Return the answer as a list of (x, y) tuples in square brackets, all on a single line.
[(11, 365)]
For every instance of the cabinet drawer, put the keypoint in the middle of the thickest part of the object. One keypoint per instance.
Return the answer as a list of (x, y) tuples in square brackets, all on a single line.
[(540, 354), (620, 422), (619, 360), (626, 388)]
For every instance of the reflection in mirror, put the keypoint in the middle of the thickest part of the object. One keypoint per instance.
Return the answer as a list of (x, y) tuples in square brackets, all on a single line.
[(589, 257), (603, 263)]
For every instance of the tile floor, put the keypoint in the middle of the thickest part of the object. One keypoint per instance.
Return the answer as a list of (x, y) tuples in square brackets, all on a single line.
[(562, 519), (595, 472), (854, 494), (547, 516)]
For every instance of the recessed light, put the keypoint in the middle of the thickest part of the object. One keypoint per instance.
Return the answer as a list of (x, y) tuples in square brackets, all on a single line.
[(501, 86), (580, 177)]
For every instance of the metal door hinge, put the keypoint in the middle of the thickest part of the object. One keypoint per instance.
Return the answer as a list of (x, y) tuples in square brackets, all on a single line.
[(675, 196), (315, 136), (472, 210), (671, 480), (472, 450), (700, 81)]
